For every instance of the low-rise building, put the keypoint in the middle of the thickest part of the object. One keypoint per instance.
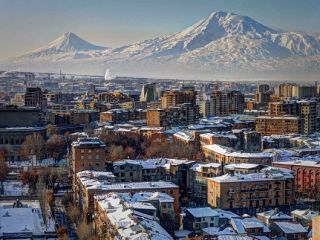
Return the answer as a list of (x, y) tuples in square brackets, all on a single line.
[(289, 230), (305, 216), (117, 218), (249, 226), (226, 155), (24, 220), (86, 188), (198, 218), (273, 215)]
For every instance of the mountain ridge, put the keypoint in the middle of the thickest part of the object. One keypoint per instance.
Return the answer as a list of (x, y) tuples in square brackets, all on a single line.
[(222, 42)]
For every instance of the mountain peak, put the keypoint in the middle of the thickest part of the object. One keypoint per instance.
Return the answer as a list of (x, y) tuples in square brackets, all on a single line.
[(69, 42)]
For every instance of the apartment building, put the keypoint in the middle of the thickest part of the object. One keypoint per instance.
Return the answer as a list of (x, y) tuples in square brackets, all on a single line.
[(245, 193), (226, 155), (88, 154), (278, 125), (307, 176)]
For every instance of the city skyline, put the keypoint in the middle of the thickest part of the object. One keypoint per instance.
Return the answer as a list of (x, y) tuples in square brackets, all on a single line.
[(116, 23)]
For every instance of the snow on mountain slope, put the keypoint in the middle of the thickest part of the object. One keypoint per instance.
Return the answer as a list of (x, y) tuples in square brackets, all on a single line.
[(223, 42), (221, 34), (69, 45)]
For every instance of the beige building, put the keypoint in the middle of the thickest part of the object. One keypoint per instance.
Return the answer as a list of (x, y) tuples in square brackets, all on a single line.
[(277, 125), (316, 228), (245, 193)]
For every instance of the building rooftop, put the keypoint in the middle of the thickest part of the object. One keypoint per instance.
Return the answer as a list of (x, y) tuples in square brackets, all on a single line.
[(241, 166), (129, 224), (263, 176), (291, 228), (202, 212), (232, 153), (152, 163), (198, 167), (241, 225), (88, 142), (25, 221)]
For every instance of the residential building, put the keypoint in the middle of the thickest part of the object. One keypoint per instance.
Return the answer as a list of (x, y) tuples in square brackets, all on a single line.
[(123, 115), (86, 189), (251, 141), (278, 125), (174, 98), (316, 228), (304, 216), (228, 102), (88, 154), (197, 182), (198, 218), (120, 218), (245, 193), (250, 227), (226, 155), (34, 97), (273, 215), (183, 115), (289, 230), (72, 117), (307, 176)]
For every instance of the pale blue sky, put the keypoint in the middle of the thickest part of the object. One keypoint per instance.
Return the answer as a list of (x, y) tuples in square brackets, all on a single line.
[(25, 25)]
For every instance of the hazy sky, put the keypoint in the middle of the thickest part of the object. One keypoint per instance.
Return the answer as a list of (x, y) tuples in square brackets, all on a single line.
[(29, 24)]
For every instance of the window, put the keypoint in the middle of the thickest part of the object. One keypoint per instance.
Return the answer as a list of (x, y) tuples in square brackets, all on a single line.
[(82, 157), (82, 151), (89, 151)]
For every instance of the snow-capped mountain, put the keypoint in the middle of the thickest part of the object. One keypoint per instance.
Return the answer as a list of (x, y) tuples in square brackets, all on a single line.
[(67, 44), (222, 43)]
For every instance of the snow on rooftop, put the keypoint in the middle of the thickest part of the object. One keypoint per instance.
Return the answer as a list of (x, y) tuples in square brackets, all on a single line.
[(23, 220), (263, 176), (241, 166), (128, 224), (227, 151), (217, 231), (198, 167), (152, 163), (291, 228), (302, 162), (202, 212), (240, 225)]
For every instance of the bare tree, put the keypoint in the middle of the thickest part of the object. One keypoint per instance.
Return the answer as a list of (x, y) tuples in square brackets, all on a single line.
[(3, 170), (116, 153), (56, 146), (33, 145)]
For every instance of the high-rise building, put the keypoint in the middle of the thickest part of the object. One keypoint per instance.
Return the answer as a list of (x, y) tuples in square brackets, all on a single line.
[(307, 110), (148, 92), (228, 102), (263, 94), (251, 141), (174, 98), (34, 97)]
